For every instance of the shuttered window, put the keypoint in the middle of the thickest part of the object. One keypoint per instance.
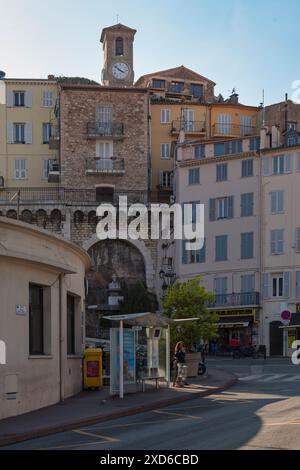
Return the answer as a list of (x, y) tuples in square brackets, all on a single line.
[(247, 204), (221, 172), (46, 132), (247, 168), (165, 116), (281, 164), (224, 124), (277, 202), (104, 114), (47, 99), (247, 245), (298, 239), (247, 283), (20, 169), (277, 241), (246, 125), (221, 248), (194, 176), (165, 150)]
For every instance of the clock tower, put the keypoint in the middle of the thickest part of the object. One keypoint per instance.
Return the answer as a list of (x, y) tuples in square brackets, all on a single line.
[(117, 43)]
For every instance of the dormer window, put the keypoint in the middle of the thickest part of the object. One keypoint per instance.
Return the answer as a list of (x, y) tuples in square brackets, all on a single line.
[(157, 83), (196, 90), (176, 87), (119, 47)]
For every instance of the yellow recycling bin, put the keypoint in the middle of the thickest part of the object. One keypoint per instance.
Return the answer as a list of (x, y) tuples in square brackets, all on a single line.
[(92, 368)]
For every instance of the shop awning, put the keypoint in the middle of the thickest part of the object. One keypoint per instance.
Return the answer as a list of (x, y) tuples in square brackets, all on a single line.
[(235, 321)]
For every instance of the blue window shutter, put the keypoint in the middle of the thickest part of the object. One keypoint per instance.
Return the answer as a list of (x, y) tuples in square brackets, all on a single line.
[(286, 284), (298, 284), (265, 285), (288, 163), (230, 207), (212, 209), (184, 252)]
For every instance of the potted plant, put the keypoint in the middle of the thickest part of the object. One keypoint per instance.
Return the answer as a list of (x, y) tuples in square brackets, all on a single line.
[(188, 300)]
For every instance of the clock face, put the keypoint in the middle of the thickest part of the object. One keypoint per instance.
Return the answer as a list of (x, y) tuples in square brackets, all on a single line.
[(120, 70)]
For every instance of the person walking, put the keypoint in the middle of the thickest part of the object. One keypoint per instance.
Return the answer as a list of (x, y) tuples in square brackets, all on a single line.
[(178, 362)]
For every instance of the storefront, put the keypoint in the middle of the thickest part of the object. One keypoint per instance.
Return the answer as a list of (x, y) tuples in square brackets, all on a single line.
[(238, 324), (291, 333)]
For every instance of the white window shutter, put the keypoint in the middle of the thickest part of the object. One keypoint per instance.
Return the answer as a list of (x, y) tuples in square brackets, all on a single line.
[(28, 133), (298, 284), (286, 284), (288, 163), (28, 99), (23, 169), (9, 98), (266, 166), (10, 133), (265, 285)]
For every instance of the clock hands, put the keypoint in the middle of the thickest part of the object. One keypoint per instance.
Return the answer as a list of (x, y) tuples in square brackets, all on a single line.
[(120, 70)]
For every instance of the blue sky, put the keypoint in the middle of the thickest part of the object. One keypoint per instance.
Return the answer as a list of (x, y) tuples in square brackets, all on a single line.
[(247, 44)]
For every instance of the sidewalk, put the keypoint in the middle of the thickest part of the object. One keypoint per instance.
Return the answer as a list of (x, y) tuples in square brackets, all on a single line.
[(92, 407)]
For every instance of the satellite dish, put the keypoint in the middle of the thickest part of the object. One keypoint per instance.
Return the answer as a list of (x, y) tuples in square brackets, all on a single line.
[(2, 74)]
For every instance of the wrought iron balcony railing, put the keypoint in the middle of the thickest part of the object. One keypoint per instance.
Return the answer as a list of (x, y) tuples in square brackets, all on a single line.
[(105, 129), (193, 127), (241, 299), (111, 165), (232, 130)]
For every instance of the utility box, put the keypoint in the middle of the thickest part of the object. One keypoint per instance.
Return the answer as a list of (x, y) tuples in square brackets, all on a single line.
[(92, 368)]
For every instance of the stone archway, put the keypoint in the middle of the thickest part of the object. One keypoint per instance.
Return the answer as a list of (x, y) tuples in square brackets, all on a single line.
[(140, 246)]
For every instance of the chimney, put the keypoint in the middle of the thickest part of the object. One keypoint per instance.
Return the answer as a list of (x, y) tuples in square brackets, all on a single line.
[(264, 141)]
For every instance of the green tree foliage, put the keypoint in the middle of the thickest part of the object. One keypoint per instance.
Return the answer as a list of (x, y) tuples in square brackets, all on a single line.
[(76, 80), (188, 300), (138, 299)]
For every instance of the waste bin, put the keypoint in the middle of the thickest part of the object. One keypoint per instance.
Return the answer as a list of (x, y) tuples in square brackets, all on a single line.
[(92, 368)]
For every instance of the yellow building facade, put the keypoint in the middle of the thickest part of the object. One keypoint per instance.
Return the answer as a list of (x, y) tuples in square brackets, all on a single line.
[(181, 99), (27, 117)]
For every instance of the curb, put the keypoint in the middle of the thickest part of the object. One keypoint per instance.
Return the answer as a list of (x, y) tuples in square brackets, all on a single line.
[(13, 439)]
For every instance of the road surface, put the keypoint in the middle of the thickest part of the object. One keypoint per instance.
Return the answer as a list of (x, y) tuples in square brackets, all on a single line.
[(261, 412)]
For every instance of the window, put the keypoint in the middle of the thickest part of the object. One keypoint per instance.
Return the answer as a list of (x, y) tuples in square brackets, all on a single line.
[(19, 133), (47, 99), (247, 283), (104, 154), (19, 98), (227, 148), (224, 124), (281, 164), (277, 285), (221, 248), (165, 179), (298, 239), (221, 170), (277, 202), (70, 324), (247, 245), (165, 115), (193, 256), (104, 114), (225, 207), (247, 204), (246, 125), (36, 320), (188, 120), (292, 126), (254, 143), (156, 83), (20, 169), (176, 87), (199, 152), (298, 162), (119, 46), (46, 132), (165, 150), (221, 290), (291, 140), (196, 90), (247, 168), (194, 176), (277, 241)]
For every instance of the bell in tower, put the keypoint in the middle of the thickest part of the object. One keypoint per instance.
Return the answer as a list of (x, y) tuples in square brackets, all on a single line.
[(117, 43)]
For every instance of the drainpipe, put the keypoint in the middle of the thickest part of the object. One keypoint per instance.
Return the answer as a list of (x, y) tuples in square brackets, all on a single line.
[(61, 339)]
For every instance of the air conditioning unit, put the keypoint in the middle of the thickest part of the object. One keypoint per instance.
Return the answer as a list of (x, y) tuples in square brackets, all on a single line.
[(1, 181)]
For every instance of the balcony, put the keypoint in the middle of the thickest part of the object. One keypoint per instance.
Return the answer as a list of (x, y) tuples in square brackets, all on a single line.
[(53, 171), (96, 130), (242, 299), (112, 166), (54, 139), (189, 127), (232, 130)]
